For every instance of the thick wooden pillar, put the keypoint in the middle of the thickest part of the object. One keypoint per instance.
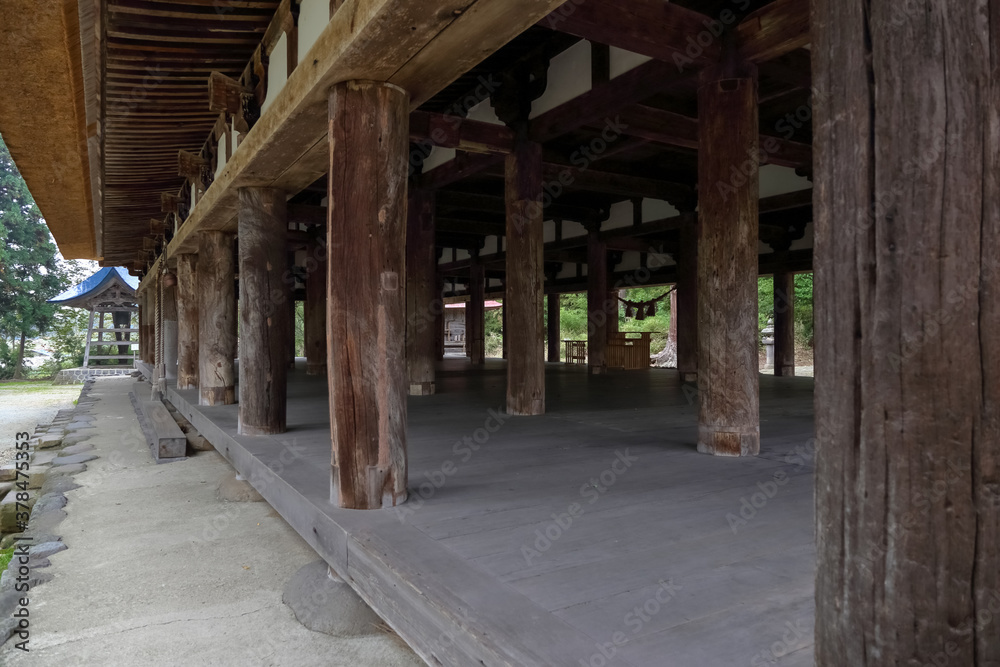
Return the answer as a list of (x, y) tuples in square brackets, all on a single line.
[(687, 301), (907, 297), (315, 311), (784, 324), (475, 314), (552, 324), (264, 347), (422, 302), (169, 294), (142, 330), (503, 327), (366, 326), (439, 316), (525, 280), (187, 322), (728, 419), (597, 303), (216, 319)]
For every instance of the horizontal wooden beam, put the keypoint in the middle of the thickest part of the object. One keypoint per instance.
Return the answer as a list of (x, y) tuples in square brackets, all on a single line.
[(654, 28), (450, 131), (774, 30)]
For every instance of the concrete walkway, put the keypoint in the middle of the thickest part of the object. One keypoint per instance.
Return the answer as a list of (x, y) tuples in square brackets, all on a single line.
[(160, 572)]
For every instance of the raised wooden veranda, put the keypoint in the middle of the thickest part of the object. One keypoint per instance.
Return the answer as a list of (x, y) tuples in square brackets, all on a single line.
[(374, 157)]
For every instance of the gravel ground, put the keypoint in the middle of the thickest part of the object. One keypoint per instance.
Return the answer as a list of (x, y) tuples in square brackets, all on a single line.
[(24, 405)]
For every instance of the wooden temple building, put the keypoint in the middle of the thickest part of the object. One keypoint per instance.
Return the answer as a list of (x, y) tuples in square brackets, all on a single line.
[(375, 157)]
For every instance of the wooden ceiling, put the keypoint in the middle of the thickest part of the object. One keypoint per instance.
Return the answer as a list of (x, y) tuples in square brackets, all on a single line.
[(157, 58)]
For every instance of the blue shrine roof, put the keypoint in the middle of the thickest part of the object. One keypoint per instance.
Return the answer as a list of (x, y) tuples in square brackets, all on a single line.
[(96, 284)]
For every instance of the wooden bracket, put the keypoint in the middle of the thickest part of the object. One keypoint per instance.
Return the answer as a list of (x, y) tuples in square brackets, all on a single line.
[(225, 95)]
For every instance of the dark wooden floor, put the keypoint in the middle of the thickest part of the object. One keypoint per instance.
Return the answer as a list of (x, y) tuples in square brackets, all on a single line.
[(595, 530)]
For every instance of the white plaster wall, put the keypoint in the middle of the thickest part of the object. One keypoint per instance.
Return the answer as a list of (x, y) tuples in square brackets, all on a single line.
[(462, 254), (630, 261), (277, 71), (494, 282), (569, 76), (657, 209), (438, 156), (622, 61), (313, 17), (571, 228), (484, 113), (220, 160), (490, 245), (549, 231), (568, 270), (776, 180), (445, 256), (619, 216)]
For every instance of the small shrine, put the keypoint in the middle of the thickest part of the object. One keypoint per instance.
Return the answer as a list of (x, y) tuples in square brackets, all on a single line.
[(109, 296)]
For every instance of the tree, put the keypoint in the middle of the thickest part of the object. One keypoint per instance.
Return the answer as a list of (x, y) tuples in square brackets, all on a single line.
[(29, 272)]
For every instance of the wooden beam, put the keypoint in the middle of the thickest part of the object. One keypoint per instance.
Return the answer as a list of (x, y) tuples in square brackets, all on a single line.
[(525, 280), (728, 412), (654, 28), (225, 94), (264, 297), (366, 325), (450, 131), (600, 104), (773, 30)]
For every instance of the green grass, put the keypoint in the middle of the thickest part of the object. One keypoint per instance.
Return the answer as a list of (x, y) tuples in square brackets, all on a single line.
[(6, 555), (25, 385)]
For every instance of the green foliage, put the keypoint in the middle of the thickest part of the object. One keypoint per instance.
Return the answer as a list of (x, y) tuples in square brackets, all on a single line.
[(29, 272), (6, 556), (803, 305)]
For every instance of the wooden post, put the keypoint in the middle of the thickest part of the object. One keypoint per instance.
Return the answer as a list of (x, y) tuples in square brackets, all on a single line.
[(728, 419), (187, 322), (784, 324), (263, 230), (613, 311), (503, 327), (597, 303), (439, 317), (315, 311), (687, 301), (525, 279), (366, 330), (169, 308), (216, 319), (422, 303), (90, 333), (475, 314), (907, 294), (289, 283), (552, 324)]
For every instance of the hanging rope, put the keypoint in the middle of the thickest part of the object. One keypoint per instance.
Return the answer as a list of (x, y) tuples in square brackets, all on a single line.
[(640, 310)]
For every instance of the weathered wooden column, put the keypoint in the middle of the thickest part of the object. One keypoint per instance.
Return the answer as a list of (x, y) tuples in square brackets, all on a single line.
[(687, 300), (728, 419), (264, 353), (439, 316), (169, 310), (142, 327), (597, 302), (475, 314), (366, 330), (503, 327), (525, 279), (784, 324), (187, 322), (907, 293), (552, 324), (422, 303), (216, 319), (315, 311)]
